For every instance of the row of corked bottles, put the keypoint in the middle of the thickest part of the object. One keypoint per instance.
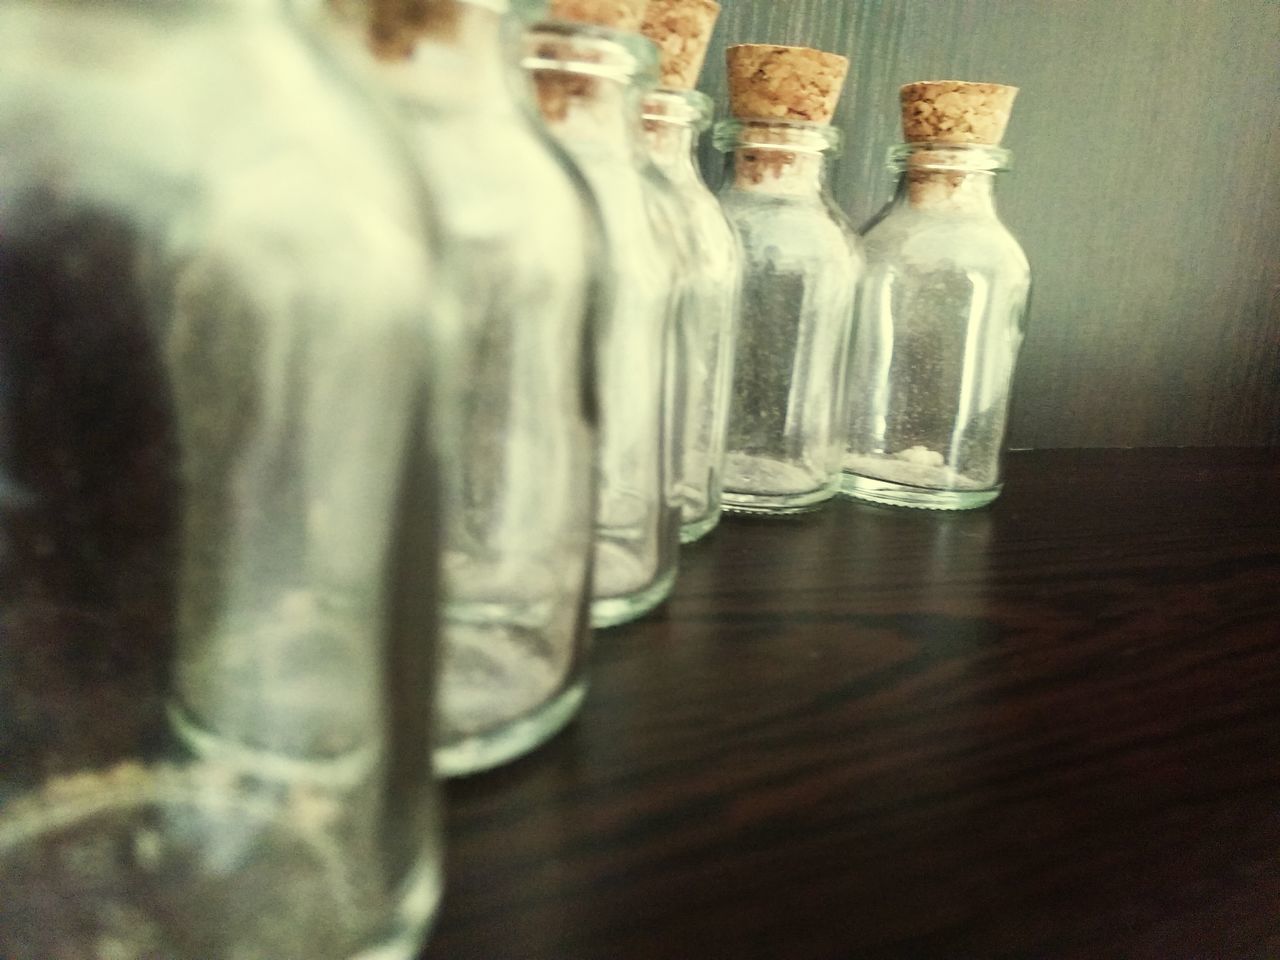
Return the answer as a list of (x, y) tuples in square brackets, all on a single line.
[(747, 352), (357, 357)]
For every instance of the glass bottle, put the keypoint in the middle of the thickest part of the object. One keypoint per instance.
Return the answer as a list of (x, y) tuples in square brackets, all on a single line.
[(673, 121), (940, 323), (217, 496), (801, 271), (590, 81), (519, 545)]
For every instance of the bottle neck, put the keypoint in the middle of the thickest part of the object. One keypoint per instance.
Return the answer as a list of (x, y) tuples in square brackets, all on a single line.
[(948, 179), (673, 120), (590, 82), (439, 51), (784, 158)]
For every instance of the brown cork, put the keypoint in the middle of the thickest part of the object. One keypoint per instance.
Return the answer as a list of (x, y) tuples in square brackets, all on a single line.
[(624, 15), (682, 30), (784, 83), (396, 26), (955, 111)]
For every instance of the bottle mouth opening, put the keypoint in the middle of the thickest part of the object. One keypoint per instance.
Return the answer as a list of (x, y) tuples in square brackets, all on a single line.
[(949, 157), (561, 47), (790, 136), (690, 108)]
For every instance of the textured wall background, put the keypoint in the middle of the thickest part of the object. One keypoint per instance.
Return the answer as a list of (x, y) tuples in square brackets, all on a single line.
[(1146, 190)]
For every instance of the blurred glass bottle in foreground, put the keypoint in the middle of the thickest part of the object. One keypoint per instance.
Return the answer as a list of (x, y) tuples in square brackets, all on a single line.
[(674, 117), (802, 265), (517, 226), (591, 70), (941, 313), (217, 495)]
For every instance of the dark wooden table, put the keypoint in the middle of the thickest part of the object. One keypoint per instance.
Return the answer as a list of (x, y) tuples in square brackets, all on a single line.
[(1048, 729)]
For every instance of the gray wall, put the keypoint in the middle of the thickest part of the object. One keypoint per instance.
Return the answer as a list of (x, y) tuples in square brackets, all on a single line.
[(1146, 190)]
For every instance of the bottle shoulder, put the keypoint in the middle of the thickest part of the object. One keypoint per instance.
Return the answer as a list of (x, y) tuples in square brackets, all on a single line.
[(903, 236), (494, 176), (708, 225), (807, 236)]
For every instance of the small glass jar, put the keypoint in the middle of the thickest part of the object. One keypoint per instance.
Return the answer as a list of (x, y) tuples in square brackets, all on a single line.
[(708, 320), (801, 271), (940, 323), (217, 495), (516, 218), (590, 81)]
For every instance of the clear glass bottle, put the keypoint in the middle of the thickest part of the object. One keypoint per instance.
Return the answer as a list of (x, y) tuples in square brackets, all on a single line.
[(590, 81), (217, 496), (519, 545), (708, 322), (940, 323), (801, 271)]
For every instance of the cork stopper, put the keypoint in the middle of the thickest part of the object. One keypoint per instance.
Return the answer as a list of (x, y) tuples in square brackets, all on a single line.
[(396, 26), (955, 111), (626, 15), (784, 83), (682, 30)]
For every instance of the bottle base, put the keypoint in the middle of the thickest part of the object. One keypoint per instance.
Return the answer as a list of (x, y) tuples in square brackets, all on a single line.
[(414, 919), (777, 505), (498, 680), (191, 862), (481, 752), (615, 611), (890, 494), (695, 530)]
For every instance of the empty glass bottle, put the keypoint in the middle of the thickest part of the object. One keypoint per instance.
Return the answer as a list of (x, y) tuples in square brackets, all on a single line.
[(519, 545), (800, 274), (217, 496), (708, 320), (590, 81), (939, 326)]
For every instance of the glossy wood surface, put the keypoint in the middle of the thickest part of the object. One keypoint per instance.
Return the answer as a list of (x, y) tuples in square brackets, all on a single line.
[(1050, 729), (1145, 189)]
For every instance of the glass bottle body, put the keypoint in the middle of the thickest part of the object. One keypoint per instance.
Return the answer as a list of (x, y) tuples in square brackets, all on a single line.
[(801, 269), (219, 497), (589, 83), (938, 330), (706, 333), (518, 551)]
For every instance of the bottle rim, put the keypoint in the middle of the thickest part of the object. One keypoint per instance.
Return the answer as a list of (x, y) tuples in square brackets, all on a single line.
[(791, 136), (560, 46), (687, 108), (948, 156)]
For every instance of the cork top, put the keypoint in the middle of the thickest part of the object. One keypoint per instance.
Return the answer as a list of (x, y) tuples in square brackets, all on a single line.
[(682, 30), (956, 111), (784, 83), (618, 14), (396, 26)]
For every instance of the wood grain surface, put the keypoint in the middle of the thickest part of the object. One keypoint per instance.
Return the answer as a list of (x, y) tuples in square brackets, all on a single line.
[(1146, 190), (1050, 729)]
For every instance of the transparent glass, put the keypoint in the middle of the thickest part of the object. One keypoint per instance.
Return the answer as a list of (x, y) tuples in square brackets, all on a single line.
[(589, 83), (940, 323), (519, 545), (803, 261), (217, 496), (708, 320)]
